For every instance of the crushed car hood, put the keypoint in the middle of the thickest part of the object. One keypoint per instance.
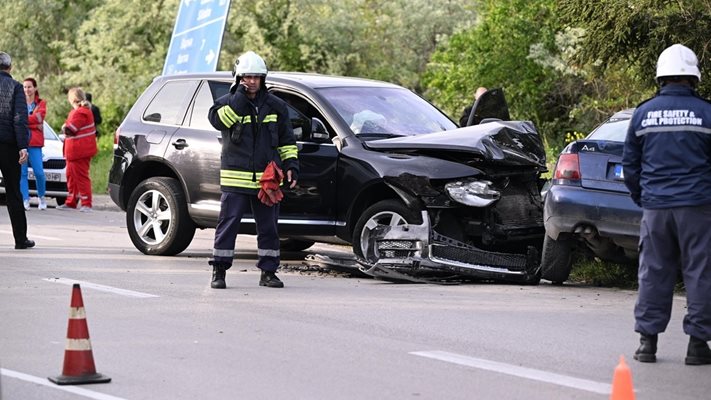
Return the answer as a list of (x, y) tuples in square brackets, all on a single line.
[(505, 142)]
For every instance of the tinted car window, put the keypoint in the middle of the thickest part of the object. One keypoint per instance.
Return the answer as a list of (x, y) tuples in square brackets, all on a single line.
[(300, 114), (168, 106), (205, 98), (386, 111), (614, 131)]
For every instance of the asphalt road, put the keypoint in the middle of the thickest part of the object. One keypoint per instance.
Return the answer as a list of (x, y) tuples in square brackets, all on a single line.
[(160, 332)]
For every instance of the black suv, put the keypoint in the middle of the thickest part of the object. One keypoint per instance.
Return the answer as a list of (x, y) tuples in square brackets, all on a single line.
[(381, 169)]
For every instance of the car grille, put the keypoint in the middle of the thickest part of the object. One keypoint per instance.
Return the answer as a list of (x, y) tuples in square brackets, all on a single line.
[(54, 163), (514, 262), (518, 207), (396, 248)]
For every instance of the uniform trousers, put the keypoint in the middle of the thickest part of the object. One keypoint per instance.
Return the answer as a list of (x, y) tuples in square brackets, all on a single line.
[(10, 168), (675, 240), (78, 182), (232, 207)]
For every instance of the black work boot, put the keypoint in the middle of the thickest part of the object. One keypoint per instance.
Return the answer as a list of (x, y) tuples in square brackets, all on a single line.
[(698, 352), (647, 351), (269, 279), (218, 275)]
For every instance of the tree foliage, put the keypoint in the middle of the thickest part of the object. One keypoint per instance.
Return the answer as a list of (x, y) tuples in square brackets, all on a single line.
[(565, 64), (114, 48), (117, 51), (380, 39), (634, 33), (504, 49), (35, 34)]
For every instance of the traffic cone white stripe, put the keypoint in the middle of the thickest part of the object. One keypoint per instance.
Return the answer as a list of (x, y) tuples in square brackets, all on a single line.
[(78, 344), (77, 313)]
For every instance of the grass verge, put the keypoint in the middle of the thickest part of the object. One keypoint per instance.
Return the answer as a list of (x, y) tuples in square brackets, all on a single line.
[(596, 272), (100, 165)]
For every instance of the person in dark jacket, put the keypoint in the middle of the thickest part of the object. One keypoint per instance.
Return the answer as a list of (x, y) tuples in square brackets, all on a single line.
[(96, 112), (14, 138), (256, 130), (667, 168)]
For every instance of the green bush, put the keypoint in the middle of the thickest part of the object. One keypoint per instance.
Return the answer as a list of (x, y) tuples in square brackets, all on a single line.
[(101, 163)]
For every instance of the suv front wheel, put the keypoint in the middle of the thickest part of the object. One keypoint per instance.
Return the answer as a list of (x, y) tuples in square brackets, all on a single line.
[(386, 212), (157, 217)]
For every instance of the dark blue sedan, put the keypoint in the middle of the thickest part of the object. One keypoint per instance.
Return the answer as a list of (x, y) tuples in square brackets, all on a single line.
[(588, 206)]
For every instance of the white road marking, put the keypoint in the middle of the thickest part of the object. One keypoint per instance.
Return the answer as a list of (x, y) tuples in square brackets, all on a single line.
[(71, 389), (33, 236), (521, 372), (102, 288)]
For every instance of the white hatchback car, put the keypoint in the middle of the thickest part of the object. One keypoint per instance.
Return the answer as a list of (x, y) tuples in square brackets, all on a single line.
[(55, 168)]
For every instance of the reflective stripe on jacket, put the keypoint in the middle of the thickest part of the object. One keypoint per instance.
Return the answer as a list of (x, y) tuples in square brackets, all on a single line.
[(80, 134), (667, 153), (254, 132)]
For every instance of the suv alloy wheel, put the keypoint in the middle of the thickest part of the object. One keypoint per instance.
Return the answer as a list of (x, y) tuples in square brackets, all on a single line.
[(157, 217)]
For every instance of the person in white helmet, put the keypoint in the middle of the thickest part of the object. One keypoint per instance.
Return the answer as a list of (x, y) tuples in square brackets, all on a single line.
[(667, 168), (256, 130)]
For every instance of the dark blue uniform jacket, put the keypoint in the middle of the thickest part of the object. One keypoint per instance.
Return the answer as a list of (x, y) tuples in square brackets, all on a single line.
[(254, 132), (667, 153), (13, 112)]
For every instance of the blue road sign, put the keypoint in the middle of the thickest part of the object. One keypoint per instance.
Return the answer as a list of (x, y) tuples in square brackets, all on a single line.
[(197, 36)]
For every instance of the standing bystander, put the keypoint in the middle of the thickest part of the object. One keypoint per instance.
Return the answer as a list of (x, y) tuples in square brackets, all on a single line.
[(667, 168), (79, 148), (96, 112), (13, 148), (36, 110)]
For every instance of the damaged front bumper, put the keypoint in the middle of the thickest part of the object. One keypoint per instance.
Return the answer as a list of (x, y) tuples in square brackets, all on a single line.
[(419, 254)]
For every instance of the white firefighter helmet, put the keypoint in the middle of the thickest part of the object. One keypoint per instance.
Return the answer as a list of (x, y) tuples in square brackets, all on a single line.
[(678, 60), (249, 63)]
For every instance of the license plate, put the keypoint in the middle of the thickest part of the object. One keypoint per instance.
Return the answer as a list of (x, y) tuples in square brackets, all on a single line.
[(619, 172), (49, 176)]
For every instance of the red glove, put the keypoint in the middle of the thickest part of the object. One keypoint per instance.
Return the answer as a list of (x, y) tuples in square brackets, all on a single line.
[(270, 182)]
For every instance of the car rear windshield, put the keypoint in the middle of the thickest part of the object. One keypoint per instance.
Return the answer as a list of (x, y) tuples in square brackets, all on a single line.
[(614, 131), (386, 112)]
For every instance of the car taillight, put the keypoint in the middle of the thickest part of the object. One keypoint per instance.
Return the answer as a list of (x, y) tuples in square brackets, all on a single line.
[(568, 167)]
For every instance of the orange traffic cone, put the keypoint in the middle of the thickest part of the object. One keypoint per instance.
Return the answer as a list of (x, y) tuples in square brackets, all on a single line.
[(622, 382), (78, 359)]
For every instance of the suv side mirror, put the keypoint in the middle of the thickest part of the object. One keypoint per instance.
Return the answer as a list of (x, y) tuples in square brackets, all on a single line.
[(319, 133)]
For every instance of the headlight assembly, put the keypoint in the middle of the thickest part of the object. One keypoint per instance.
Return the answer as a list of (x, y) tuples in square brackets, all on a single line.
[(471, 192)]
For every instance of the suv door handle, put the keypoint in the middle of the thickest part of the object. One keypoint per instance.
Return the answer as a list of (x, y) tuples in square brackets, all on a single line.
[(180, 144)]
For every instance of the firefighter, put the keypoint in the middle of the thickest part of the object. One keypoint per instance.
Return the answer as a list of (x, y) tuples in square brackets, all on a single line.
[(255, 130), (667, 168)]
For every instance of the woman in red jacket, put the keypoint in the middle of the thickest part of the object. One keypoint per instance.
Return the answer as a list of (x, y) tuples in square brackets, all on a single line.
[(79, 148), (36, 110)]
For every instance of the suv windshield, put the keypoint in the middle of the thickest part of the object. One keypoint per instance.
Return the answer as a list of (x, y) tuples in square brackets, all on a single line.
[(386, 112)]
